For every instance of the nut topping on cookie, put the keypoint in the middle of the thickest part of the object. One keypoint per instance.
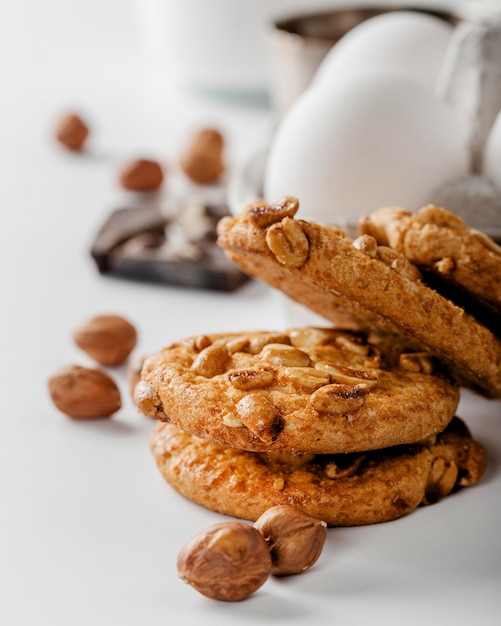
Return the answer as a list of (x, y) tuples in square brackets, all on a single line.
[(367, 244), (305, 378), (211, 361), (260, 416), (257, 342), (441, 480), (334, 471), (288, 242), (237, 345), (281, 354), (251, 378), (338, 399), (417, 362), (347, 375), (264, 214), (352, 345)]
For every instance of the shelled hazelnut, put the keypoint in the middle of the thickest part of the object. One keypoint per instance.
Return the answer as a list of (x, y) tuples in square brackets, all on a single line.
[(72, 132), (202, 159), (227, 561), (142, 175), (295, 539), (108, 339), (84, 393)]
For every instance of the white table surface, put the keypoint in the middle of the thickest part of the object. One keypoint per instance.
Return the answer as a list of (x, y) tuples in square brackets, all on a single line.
[(89, 532)]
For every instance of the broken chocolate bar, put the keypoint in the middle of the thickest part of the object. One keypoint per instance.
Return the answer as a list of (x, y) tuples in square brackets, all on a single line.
[(141, 244)]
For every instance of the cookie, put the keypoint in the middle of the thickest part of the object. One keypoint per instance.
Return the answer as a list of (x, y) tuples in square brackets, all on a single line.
[(359, 282), (462, 263), (307, 390), (342, 490)]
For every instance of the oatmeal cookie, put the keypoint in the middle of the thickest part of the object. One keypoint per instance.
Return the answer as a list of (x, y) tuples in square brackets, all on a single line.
[(307, 390), (342, 490), (360, 282), (463, 261)]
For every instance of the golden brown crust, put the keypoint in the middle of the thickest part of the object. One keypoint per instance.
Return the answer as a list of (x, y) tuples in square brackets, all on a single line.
[(349, 282), (306, 390), (342, 490), (441, 243)]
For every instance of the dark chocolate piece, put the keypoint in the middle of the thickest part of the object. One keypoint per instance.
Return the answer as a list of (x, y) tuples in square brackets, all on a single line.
[(142, 244)]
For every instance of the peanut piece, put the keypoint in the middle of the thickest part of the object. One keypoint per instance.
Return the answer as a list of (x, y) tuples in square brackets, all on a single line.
[(352, 345), (287, 241), (264, 214), (306, 378), (417, 362), (337, 399), (366, 244), (347, 375), (441, 480), (259, 415), (256, 344), (251, 378), (281, 354), (211, 361)]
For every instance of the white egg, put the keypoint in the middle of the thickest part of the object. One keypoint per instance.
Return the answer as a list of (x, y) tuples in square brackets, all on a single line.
[(492, 154), (375, 138), (410, 42)]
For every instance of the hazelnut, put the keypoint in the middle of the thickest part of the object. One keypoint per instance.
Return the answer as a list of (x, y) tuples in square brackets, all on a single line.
[(202, 160), (108, 339), (142, 175), (295, 539), (71, 132), (227, 561), (81, 392)]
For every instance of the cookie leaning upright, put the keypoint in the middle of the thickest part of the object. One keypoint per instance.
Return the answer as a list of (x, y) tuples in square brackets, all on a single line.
[(462, 262), (360, 282)]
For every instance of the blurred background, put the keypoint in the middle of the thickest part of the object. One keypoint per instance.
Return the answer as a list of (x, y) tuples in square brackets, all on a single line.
[(126, 63)]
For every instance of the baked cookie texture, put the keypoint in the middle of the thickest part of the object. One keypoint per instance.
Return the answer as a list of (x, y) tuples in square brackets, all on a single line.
[(342, 490), (307, 390), (441, 244), (359, 282)]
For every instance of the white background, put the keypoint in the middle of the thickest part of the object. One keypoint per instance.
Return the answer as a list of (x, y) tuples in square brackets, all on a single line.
[(89, 532)]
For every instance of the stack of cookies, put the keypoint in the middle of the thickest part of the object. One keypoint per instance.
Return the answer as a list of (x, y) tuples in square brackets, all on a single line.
[(353, 424)]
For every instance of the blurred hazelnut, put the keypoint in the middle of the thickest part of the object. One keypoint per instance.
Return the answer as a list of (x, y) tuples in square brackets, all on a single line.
[(72, 132), (108, 339), (142, 175), (202, 160)]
